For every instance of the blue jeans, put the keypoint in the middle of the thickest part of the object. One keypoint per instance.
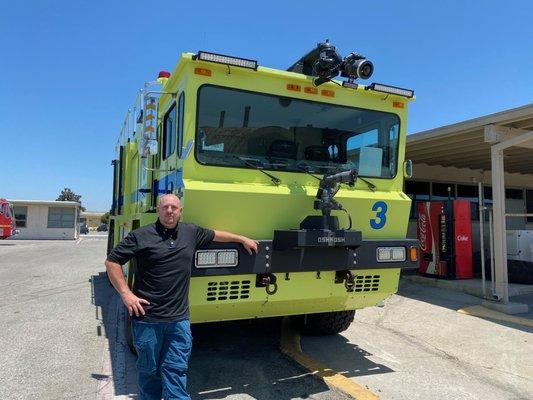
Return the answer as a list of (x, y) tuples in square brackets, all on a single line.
[(163, 351)]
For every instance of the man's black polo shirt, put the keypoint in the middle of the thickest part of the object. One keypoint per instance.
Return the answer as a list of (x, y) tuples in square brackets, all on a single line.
[(163, 268)]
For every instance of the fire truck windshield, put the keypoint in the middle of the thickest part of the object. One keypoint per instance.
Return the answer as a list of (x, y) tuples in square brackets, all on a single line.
[(283, 133)]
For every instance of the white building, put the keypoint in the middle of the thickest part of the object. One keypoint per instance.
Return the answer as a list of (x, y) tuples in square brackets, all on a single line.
[(38, 219), (91, 218)]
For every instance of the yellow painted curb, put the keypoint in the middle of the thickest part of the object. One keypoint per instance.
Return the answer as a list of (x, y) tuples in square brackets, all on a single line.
[(483, 312), (290, 346)]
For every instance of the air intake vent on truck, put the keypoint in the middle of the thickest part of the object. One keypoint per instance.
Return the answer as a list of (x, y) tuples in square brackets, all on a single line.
[(228, 290), (366, 283)]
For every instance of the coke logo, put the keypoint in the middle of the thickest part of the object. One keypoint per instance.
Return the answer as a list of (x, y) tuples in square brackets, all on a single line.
[(422, 229), (462, 238)]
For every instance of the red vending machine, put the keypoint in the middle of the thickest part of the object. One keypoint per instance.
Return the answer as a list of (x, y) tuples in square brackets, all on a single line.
[(445, 234)]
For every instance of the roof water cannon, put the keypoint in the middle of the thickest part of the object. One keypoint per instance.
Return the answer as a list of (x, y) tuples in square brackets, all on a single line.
[(328, 63), (357, 66), (325, 63)]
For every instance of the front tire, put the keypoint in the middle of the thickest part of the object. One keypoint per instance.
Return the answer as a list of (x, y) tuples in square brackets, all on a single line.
[(321, 324)]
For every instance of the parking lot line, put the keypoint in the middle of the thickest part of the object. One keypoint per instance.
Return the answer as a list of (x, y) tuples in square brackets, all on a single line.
[(290, 346), (483, 312)]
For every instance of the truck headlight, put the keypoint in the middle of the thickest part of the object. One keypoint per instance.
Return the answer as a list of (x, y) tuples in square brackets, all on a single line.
[(216, 258), (390, 254)]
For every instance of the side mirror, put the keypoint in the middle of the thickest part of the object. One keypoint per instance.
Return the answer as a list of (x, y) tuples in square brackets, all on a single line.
[(152, 147), (408, 169), (148, 147)]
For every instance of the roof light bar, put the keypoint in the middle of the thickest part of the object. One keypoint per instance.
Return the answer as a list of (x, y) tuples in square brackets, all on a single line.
[(378, 87), (228, 60)]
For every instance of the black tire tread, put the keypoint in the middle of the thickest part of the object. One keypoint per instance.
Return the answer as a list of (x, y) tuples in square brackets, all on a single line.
[(321, 324)]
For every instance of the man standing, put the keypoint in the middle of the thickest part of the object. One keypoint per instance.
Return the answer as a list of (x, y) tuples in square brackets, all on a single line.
[(159, 303)]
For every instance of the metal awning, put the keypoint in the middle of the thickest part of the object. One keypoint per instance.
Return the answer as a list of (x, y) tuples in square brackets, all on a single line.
[(463, 145), (501, 142)]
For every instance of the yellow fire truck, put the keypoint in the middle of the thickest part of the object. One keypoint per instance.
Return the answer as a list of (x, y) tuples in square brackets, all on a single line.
[(310, 166)]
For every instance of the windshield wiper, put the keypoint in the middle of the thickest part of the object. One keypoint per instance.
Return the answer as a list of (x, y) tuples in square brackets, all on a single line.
[(248, 161), (370, 185), (304, 168)]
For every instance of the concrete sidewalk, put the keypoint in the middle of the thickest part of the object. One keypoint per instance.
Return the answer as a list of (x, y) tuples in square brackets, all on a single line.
[(518, 294), (473, 287), (419, 347)]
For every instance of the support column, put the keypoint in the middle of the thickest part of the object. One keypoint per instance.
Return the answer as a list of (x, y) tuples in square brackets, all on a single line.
[(500, 237), (503, 137)]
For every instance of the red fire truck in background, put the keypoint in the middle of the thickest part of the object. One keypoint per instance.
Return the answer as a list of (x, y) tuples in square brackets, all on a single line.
[(7, 219)]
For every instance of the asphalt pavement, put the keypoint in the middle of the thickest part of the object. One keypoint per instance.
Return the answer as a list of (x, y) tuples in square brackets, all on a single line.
[(62, 326), (236, 360), (53, 294)]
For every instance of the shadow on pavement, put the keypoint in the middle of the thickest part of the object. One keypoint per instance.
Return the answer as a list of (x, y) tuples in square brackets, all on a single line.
[(342, 356), (238, 358), (104, 299), (243, 358)]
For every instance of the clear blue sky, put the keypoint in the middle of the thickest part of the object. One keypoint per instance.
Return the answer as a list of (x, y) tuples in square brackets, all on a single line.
[(70, 69)]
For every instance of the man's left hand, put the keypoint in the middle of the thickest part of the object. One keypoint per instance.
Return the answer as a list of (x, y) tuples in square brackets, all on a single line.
[(250, 245)]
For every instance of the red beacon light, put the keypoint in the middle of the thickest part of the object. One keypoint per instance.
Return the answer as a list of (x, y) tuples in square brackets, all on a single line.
[(163, 77)]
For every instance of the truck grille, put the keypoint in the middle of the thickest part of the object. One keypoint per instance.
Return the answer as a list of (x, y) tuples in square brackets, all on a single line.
[(366, 283), (228, 290)]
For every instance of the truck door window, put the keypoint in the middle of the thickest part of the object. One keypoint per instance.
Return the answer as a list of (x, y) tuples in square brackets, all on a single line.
[(169, 132), (181, 106)]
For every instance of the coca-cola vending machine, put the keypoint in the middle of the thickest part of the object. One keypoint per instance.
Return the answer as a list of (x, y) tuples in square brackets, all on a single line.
[(445, 234)]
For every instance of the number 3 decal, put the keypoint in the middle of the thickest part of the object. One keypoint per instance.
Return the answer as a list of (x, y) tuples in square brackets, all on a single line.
[(380, 207)]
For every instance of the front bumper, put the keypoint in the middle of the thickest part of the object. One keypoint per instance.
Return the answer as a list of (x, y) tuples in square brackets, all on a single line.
[(362, 256)]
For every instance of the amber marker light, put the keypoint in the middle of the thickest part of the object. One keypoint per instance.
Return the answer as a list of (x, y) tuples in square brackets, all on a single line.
[(413, 253), (202, 71), (398, 104), (294, 87)]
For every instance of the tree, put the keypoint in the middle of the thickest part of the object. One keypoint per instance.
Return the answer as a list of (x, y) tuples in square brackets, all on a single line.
[(68, 195), (105, 218)]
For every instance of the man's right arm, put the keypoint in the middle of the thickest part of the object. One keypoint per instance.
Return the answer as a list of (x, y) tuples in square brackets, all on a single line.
[(122, 253), (132, 302)]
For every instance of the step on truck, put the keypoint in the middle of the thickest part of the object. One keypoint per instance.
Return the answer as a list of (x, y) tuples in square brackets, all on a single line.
[(309, 165)]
